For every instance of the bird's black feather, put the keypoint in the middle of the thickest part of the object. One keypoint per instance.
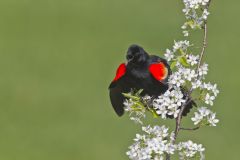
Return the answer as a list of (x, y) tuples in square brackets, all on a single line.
[(138, 77)]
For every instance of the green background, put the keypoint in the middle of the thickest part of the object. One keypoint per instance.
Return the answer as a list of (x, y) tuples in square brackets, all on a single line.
[(57, 58)]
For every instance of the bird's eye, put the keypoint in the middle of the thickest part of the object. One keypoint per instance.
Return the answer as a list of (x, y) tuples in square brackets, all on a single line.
[(129, 56)]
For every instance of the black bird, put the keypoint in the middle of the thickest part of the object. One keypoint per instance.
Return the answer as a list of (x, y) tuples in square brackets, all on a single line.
[(141, 71)]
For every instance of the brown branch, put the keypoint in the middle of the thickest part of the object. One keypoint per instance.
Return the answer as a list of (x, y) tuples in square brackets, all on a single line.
[(179, 117), (204, 45), (190, 129)]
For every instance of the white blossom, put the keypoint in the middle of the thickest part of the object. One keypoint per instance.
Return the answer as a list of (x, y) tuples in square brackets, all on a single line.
[(185, 33), (174, 112), (203, 115), (207, 86), (215, 90), (212, 120), (196, 18), (212, 88), (170, 148), (195, 3), (156, 130), (205, 14), (203, 69), (169, 55), (189, 150), (192, 60), (196, 84), (197, 118), (204, 111), (146, 98), (209, 99), (182, 75), (169, 103), (162, 110), (176, 79), (181, 45), (188, 74), (153, 141), (184, 26)]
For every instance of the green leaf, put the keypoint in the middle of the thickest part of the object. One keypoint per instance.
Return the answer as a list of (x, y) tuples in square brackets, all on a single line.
[(136, 107), (154, 113), (140, 104), (127, 95), (182, 52), (183, 61), (199, 27), (173, 65), (139, 92), (190, 23)]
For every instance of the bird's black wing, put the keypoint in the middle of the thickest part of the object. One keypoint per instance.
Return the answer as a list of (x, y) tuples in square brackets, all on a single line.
[(116, 89), (189, 101), (157, 59)]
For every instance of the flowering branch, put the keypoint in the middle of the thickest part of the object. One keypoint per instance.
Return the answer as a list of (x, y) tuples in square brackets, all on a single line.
[(179, 118), (188, 77)]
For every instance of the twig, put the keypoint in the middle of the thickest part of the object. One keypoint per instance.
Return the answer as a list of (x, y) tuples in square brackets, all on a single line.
[(204, 45), (190, 129)]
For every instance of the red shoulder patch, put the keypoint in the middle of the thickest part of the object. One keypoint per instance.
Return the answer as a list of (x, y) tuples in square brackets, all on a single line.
[(159, 71), (120, 71)]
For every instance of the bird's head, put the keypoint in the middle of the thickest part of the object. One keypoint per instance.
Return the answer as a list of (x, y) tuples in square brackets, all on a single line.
[(136, 55)]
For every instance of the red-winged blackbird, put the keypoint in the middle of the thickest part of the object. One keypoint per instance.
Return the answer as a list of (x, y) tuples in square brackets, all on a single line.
[(141, 71)]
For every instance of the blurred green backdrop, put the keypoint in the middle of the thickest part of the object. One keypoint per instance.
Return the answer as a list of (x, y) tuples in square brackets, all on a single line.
[(57, 58)]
